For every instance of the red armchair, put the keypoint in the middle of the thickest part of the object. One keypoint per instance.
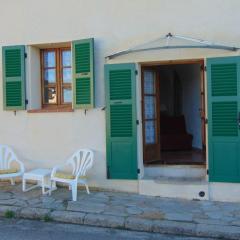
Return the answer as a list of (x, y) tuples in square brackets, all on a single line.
[(173, 134)]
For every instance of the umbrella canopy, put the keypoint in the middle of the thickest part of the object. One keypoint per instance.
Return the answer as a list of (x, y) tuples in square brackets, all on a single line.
[(171, 41)]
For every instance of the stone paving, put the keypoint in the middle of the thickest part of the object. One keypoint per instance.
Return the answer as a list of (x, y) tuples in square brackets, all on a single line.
[(125, 211)]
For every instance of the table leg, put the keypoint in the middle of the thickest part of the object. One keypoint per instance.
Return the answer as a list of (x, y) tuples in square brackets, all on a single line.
[(25, 189)]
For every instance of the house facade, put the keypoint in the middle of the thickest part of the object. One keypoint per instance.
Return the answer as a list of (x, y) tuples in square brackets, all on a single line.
[(160, 110)]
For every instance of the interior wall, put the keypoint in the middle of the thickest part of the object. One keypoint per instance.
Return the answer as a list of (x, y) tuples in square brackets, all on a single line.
[(166, 89), (191, 97), (189, 75)]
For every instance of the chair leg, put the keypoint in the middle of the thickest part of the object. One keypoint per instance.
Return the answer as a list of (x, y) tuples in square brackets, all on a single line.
[(12, 181), (74, 192), (23, 185), (88, 192), (52, 183)]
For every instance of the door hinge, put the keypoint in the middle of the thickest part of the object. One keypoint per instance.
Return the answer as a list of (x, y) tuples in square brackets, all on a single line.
[(138, 170), (25, 55), (206, 121), (26, 101), (137, 122), (136, 72), (207, 172), (205, 68)]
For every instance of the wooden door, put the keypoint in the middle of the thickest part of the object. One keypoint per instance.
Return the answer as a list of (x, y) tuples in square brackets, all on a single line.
[(150, 115)]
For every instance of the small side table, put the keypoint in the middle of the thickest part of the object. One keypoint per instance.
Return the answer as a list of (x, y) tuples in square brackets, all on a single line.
[(42, 176)]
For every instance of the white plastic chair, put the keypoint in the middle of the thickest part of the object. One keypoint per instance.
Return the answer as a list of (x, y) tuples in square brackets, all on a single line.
[(7, 159), (80, 162)]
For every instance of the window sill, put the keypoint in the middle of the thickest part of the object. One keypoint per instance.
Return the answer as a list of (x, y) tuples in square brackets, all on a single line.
[(51, 110)]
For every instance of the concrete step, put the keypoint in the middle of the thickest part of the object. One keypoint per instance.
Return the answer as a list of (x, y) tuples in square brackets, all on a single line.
[(185, 188), (175, 171)]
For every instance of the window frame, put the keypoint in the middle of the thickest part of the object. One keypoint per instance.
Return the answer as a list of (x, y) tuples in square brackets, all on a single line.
[(59, 84)]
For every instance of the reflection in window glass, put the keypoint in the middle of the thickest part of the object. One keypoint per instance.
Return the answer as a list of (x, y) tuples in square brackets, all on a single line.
[(67, 95), (56, 72), (150, 137), (67, 75), (149, 107), (49, 59), (149, 82), (50, 75), (66, 58), (50, 95)]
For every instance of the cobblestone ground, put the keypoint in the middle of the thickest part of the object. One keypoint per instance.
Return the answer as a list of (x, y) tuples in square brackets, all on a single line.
[(124, 210)]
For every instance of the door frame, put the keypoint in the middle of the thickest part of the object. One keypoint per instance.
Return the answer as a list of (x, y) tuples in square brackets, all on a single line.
[(157, 113), (203, 92)]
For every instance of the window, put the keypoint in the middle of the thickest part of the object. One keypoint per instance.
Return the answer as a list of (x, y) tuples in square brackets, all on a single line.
[(56, 72)]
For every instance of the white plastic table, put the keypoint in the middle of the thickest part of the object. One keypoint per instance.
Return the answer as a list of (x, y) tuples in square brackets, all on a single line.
[(41, 175)]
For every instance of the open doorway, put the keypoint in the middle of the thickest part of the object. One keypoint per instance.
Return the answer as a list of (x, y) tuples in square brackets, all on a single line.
[(173, 113)]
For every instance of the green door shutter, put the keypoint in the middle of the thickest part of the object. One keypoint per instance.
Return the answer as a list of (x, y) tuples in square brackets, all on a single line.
[(223, 75), (121, 121), (13, 61), (83, 73)]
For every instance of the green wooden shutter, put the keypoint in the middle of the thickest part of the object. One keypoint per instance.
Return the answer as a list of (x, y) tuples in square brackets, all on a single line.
[(13, 61), (223, 78), (121, 126), (83, 73)]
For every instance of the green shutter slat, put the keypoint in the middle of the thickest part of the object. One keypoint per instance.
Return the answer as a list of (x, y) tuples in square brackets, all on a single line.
[(83, 87), (13, 77), (13, 62), (224, 79), (223, 111), (121, 121), (13, 94), (224, 115), (83, 59), (120, 84), (83, 73)]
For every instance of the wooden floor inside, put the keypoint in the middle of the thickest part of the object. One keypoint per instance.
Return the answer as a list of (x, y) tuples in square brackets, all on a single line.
[(182, 157)]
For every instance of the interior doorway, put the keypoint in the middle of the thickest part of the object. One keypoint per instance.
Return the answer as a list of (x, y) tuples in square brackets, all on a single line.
[(173, 112)]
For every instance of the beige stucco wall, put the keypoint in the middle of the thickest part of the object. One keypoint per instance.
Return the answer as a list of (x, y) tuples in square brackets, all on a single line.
[(46, 139)]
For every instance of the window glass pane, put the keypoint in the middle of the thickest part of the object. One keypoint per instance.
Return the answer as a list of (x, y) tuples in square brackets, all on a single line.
[(149, 107), (49, 59), (150, 137), (67, 75), (50, 95), (50, 75), (67, 95), (66, 58), (149, 82)]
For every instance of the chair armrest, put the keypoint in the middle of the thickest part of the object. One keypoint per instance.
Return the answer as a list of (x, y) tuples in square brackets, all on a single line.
[(56, 168), (22, 168), (78, 176)]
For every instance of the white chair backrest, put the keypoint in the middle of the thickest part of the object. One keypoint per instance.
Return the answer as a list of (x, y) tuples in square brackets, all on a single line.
[(6, 156), (81, 161)]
